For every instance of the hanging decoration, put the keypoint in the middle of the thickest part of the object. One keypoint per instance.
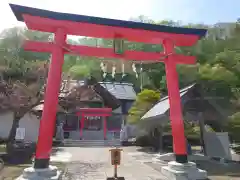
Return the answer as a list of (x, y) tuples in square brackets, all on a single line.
[(113, 71), (104, 69), (134, 69), (123, 70), (118, 46), (141, 75), (103, 66)]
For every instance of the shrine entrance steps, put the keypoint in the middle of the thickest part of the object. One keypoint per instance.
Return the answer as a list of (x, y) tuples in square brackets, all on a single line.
[(91, 143)]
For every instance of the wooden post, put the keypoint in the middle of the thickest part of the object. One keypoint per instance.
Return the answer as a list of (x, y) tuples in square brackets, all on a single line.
[(179, 141), (48, 121), (82, 125), (105, 127)]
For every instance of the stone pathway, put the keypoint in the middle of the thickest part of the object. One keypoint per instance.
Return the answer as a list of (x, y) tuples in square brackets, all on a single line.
[(94, 164), (61, 156)]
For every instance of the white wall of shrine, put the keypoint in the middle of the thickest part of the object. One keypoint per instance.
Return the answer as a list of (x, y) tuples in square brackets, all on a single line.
[(29, 122)]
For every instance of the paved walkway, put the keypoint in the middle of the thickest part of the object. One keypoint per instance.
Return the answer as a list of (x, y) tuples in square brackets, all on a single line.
[(94, 164)]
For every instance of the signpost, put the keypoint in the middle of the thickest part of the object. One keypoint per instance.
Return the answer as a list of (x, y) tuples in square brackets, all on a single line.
[(115, 161)]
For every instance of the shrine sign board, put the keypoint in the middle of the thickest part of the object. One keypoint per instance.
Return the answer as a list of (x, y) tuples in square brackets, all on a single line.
[(115, 156)]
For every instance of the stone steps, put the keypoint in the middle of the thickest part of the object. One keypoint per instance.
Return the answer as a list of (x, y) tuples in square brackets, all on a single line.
[(91, 143)]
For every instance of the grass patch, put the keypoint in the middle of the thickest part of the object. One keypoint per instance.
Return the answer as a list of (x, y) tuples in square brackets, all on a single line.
[(2, 148), (13, 171), (10, 172)]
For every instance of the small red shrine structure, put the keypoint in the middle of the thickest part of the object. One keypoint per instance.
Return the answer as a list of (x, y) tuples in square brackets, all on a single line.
[(102, 112), (62, 24)]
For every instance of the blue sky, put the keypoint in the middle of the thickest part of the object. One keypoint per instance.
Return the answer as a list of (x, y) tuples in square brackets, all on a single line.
[(187, 11), (198, 11)]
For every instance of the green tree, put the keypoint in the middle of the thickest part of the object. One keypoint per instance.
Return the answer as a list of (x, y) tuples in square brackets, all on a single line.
[(23, 75), (233, 127), (144, 101), (13, 57)]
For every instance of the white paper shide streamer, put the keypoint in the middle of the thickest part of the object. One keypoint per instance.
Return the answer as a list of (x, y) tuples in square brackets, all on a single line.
[(113, 71), (123, 70), (134, 69), (104, 69)]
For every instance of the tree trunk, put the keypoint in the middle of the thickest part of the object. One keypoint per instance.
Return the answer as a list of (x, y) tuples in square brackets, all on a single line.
[(12, 133)]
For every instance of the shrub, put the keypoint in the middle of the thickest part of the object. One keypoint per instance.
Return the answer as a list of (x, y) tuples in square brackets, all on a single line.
[(233, 127), (144, 101)]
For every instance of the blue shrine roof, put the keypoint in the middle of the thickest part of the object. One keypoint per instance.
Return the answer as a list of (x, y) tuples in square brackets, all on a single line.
[(122, 91), (19, 10)]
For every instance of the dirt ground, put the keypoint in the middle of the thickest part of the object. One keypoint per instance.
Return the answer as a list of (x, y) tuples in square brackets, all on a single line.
[(216, 170)]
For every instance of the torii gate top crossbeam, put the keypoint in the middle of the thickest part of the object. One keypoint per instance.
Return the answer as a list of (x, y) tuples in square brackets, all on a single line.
[(94, 112), (48, 21)]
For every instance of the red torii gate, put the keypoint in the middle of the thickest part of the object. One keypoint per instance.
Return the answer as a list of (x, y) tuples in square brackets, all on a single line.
[(62, 24), (102, 112)]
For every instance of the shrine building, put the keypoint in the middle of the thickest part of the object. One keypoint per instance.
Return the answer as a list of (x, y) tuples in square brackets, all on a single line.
[(80, 94)]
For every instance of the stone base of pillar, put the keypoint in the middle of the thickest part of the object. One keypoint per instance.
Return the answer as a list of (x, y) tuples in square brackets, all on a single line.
[(179, 171), (171, 157), (50, 173)]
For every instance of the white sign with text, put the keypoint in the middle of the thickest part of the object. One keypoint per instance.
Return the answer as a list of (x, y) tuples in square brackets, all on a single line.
[(20, 134)]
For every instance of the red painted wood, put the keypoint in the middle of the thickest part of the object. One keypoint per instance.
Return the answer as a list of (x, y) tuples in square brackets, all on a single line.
[(82, 125), (102, 112), (101, 31), (179, 141), (94, 110), (48, 121), (108, 53), (108, 32), (95, 114), (104, 127)]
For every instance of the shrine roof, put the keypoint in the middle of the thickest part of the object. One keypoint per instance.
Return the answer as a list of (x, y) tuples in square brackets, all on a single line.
[(161, 107), (159, 113), (122, 91), (19, 11)]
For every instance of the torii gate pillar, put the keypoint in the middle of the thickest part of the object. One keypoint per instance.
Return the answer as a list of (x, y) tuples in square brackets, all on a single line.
[(179, 141), (48, 121)]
